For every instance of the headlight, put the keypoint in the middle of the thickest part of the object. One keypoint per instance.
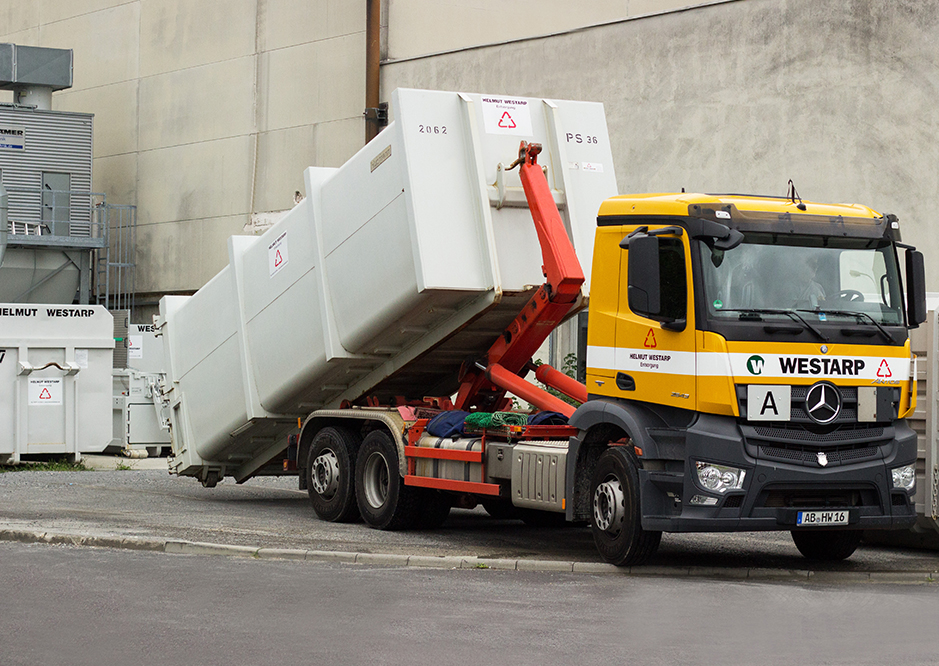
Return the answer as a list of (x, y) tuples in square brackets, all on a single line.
[(719, 478), (904, 477)]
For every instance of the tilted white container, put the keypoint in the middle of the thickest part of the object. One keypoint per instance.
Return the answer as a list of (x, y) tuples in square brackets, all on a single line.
[(409, 259)]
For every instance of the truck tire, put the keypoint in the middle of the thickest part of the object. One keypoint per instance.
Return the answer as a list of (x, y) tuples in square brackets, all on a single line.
[(616, 516), (384, 501), (827, 545), (330, 471)]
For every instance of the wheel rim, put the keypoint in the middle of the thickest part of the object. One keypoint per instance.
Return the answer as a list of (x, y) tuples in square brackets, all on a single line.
[(376, 480), (325, 473), (609, 505)]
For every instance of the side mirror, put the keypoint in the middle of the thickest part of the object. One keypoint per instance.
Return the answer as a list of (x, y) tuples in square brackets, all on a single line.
[(643, 278), (915, 288)]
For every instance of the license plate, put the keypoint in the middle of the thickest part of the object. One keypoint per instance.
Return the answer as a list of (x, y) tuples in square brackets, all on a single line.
[(821, 518)]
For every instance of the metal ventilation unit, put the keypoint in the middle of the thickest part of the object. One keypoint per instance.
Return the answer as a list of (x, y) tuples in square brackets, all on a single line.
[(33, 73), (59, 231)]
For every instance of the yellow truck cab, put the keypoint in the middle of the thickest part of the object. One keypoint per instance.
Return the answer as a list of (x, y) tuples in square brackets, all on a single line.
[(754, 351)]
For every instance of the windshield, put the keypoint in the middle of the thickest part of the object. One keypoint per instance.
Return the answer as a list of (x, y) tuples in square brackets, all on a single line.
[(818, 276)]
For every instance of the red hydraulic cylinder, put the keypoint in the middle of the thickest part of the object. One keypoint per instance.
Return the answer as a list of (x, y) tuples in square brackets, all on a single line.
[(558, 380), (561, 266), (555, 299), (527, 391)]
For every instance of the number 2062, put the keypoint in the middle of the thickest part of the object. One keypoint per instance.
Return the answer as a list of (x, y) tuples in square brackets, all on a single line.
[(432, 129)]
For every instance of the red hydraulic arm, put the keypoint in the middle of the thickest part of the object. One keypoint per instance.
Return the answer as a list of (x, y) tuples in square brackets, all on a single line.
[(508, 360)]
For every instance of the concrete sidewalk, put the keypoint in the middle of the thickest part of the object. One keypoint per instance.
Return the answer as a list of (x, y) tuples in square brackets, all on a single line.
[(269, 518), (8, 533)]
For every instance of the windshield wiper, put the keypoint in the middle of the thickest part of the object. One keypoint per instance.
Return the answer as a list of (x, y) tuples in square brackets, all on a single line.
[(795, 316), (860, 316)]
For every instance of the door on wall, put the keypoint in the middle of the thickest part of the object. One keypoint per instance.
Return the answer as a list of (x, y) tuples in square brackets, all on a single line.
[(55, 202)]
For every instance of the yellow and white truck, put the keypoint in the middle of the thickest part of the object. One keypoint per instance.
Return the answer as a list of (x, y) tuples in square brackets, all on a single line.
[(748, 358), (754, 354)]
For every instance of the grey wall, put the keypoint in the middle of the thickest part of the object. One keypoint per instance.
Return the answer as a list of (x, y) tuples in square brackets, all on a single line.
[(838, 95), (420, 27), (206, 111)]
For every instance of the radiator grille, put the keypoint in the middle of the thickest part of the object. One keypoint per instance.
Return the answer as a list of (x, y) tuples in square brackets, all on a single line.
[(810, 456), (842, 434)]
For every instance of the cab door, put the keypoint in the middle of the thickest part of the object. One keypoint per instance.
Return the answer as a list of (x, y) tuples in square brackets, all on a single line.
[(655, 344)]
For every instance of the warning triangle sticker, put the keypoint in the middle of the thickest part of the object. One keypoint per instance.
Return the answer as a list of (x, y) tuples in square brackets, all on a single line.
[(884, 369), (278, 260), (506, 122), (45, 395), (650, 340)]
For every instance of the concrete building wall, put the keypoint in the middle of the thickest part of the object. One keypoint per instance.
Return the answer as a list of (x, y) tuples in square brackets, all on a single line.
[(838, 95), (421, 27), (206, 111)]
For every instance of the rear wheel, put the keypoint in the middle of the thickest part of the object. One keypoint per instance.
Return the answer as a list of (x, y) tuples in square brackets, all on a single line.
[(384, 501), (616, 519), (330, 470), (827, 545)]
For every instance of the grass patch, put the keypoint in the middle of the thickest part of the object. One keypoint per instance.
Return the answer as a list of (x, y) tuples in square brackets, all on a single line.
[(59, 465)]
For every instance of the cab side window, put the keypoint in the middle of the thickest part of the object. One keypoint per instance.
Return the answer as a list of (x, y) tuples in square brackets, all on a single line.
[(672, 279)]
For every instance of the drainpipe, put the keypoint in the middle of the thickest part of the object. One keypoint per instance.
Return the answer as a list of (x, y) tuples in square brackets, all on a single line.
[(376, 113)]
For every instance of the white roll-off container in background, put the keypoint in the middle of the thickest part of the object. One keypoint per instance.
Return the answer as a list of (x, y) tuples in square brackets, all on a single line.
[(55, 380), (925, 344), (398, 266), (139, 423)]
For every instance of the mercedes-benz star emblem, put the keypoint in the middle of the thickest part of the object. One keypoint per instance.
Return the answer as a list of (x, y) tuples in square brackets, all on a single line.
[(823, 402)]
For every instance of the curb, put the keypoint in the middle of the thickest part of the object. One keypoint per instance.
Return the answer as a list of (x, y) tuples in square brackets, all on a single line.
[(175, 547)]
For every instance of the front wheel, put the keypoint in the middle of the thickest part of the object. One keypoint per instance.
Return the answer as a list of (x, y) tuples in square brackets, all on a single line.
[(384, 501), (616, 519), (826, 545)]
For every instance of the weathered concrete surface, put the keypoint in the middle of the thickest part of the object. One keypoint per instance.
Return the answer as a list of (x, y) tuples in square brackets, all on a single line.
[(267, 518), (203, 121), (414, 26), (840, 96), (206, 112)]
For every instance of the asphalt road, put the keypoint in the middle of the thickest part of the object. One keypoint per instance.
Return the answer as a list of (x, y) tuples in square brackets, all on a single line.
[(62, 605), (271, 513)]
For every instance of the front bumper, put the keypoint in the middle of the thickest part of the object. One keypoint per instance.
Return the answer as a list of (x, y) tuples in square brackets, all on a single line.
[(783, 477)]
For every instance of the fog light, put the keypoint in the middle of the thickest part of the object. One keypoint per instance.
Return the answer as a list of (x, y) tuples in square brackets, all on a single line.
[(703, 500), (904, 477), (719, 478)]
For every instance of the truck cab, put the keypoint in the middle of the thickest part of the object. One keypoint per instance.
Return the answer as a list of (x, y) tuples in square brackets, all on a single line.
[(755, 353)]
